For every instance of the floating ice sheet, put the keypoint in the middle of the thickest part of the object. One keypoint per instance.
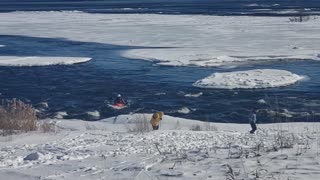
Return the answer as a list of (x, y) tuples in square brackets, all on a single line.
[(40, 61), (259, 78)]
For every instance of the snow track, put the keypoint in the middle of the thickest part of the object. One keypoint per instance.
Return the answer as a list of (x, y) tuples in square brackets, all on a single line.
[(79, 153)]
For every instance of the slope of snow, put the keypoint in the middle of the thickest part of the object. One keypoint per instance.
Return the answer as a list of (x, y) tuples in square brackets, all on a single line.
[(184, 40), (40, 61), (258, 78), (105, 150)]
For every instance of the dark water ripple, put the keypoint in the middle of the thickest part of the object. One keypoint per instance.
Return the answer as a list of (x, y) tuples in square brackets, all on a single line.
[(213, 7), (90, 86)]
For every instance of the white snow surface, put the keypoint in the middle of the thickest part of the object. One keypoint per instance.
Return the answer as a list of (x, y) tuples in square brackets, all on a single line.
[(258, 78), (40, 61), (183, 40), (81, 150)]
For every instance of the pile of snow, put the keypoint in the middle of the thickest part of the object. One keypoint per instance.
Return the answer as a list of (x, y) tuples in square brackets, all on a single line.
[(33, 156), (205, 41), (40, 61), (259, 78)]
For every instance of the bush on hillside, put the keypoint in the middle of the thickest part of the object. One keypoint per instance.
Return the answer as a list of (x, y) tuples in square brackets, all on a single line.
[(16, 115), (140, 124)]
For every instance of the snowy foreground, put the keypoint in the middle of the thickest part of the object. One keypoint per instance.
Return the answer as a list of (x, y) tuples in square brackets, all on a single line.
[(260, 78), (105, 150)]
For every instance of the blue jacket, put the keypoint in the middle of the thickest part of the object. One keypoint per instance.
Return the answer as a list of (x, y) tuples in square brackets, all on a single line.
[(253, 118)]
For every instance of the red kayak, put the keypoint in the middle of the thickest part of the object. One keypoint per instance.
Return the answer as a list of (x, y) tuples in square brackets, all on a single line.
[(118, 106)]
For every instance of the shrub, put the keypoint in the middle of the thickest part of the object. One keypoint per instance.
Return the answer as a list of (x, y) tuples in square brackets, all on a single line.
[(205, 126), (209, 127), (196, 127), (15, 115), (300, 18), (91, 127), (47, 127), (283, 140), (139, 124)]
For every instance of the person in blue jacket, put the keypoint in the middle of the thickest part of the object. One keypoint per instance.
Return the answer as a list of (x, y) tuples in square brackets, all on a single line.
[(253, 121)]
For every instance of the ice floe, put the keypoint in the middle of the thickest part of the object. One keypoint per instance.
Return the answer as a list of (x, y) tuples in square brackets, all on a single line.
[(60, 115), (259, 78), (40, 61), (193, 95), (262, 101), (184, 110)]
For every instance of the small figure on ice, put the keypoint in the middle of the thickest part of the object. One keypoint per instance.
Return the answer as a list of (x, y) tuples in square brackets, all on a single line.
[(253, 121), (155, 120)]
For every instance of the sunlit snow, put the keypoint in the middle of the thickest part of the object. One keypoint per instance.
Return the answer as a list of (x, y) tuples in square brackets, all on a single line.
[(105, 149), (258, 78)]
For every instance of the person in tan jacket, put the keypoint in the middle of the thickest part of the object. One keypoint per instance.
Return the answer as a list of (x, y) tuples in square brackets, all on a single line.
[(155, 120)]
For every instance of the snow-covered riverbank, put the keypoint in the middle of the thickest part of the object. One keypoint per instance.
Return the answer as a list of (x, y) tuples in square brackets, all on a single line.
[(105, 150)]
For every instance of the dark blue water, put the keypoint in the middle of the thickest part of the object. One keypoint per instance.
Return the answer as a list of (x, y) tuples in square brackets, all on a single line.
[(216, 7), (147, 87)]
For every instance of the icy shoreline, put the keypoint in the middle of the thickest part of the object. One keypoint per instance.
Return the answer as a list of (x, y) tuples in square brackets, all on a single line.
[(206, 40)]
